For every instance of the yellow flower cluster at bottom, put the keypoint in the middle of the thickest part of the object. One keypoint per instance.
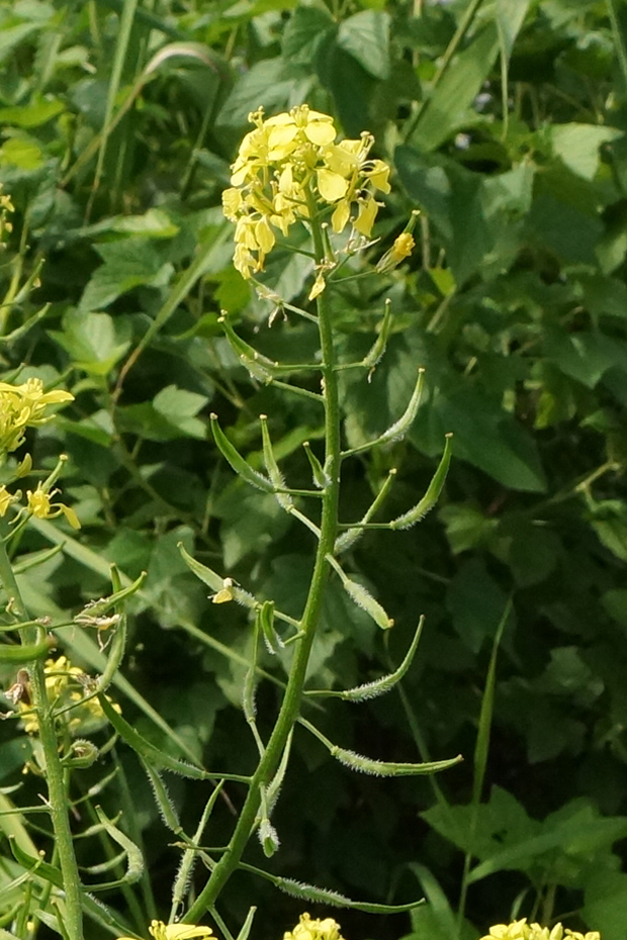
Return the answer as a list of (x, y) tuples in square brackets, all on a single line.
[(161, 931), (521, 930), (308, 929)]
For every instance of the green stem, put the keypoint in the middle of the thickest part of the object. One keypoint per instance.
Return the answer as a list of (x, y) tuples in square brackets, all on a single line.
[(290, 707), (57, 790)]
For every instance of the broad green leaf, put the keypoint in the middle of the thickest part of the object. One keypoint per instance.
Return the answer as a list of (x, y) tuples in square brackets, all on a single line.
[(127, 264), (605, 903), (273, 83), (366, 37), (476, 602), (21, 152), (501, 822), (487, 437), (577, 145), (585, 356), (305, 30), (94, 341)]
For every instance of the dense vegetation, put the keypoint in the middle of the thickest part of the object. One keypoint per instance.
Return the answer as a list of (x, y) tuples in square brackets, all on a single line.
[(504, 124)]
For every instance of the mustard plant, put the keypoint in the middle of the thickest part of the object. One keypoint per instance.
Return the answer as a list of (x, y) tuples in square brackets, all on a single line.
[(291, 170)]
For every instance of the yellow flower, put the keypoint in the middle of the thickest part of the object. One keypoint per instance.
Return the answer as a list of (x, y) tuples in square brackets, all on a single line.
[(6, 499), (65, 685), (521, 930), (161, 931), (308, 929), (41, 506), (24, 406), (401, 249), (286, 166)]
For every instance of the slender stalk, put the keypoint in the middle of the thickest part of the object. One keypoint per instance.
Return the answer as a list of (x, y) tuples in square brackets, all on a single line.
[(290, 706), (55, 778)]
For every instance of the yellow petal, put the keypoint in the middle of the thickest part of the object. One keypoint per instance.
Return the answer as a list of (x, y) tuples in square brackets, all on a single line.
[(264, 235), (331, 186), (70, 515), (318, 286), (378, 176), (319, 133), (367, 214), (340, 216)]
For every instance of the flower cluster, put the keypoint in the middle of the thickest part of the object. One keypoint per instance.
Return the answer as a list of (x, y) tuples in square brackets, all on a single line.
[(6, 207), (290, 167), (65, 686), (308, 929), (521, 930), (161, 931), (24, 406)]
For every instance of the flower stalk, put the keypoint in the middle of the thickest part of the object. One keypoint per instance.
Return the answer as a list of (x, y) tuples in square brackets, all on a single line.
[(290, 708)]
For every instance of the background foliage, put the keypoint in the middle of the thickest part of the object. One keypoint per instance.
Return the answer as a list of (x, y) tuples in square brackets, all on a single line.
[(504, 122)]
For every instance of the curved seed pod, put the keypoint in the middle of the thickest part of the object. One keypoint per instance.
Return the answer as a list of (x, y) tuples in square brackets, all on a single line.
[(265, 620), (206, 575), (375, 354), (380, 768), (362, 597), (257, 365), (366, 601), (152, 754), (362, 693), (135, 859), (235, 459), (299, 889), (399, 429), (27, 653), (348, 538), (432, 495), (276, 477)]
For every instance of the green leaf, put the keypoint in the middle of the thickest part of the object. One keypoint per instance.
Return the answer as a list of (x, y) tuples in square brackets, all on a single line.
[(366, 37), (501, 822), (466, 527), (130, 263), (510, 15), (305, 30), (38, 111), (487, 437), (605, 903), (94, 341), (476, 602), (577, 145), (447, 109), (271, 83), (21, 152), (585, 356)]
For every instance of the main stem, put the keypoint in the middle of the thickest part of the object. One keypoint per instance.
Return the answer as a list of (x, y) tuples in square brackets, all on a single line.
[(55, 778), (290, 707)]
